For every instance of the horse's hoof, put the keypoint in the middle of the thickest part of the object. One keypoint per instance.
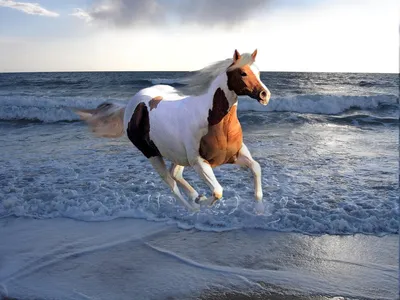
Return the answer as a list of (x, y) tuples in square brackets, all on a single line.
[(213, 201), (200, 198), (259, 207)]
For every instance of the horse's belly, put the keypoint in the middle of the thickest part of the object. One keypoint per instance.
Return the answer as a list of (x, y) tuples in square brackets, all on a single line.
[(168, 140), (219, 147), (174, 153)]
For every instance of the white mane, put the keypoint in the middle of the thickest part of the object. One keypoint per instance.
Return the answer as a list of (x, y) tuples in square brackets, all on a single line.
[(198, 82)]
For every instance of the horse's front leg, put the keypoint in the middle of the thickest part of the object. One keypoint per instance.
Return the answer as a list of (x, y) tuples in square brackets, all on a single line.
[(246, 160), (207, 174)]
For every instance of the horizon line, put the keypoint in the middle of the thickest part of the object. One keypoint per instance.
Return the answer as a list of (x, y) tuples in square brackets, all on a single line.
[(171, 71)]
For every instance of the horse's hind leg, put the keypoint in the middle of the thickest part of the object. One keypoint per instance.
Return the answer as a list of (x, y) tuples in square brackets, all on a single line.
[(159, 164), (177, 174)]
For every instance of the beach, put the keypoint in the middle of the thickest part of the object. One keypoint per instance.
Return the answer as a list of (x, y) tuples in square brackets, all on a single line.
[(138, 259)]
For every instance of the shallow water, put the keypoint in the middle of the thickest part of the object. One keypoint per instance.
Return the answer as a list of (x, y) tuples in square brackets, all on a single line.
[(327, 145)]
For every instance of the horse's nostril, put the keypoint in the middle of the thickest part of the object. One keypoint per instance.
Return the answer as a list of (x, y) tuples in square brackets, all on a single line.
[(263, 95)]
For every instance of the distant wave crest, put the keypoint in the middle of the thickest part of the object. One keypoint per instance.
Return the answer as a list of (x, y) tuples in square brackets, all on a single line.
[(52, 83), (34, 82)]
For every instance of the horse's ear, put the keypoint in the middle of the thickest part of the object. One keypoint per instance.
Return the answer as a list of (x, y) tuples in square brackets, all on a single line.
[(254, 54), (236, 56)]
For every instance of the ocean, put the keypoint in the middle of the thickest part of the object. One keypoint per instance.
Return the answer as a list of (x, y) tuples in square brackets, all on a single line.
[(327, 144)]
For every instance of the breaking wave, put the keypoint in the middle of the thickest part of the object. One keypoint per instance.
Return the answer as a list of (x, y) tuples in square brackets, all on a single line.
[(48, 110)]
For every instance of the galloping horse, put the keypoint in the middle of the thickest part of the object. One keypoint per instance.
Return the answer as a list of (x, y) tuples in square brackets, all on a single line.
[(201, 130)]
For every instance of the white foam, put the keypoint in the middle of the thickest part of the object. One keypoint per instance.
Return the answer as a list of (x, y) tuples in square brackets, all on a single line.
[(95, 192)]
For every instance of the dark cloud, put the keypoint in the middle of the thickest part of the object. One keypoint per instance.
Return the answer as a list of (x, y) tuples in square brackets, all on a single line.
[(211, 12), (125, 13)]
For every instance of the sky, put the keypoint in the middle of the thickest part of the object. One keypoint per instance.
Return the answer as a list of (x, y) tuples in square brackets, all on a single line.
[(180, 35)]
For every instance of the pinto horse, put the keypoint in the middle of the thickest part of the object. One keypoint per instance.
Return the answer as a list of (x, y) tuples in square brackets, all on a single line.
[(201, 130)]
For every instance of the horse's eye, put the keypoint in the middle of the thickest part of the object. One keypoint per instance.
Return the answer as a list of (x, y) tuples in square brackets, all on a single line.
[(243, 74)]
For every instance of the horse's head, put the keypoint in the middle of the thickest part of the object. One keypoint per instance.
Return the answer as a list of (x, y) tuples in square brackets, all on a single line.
[(244, 78)]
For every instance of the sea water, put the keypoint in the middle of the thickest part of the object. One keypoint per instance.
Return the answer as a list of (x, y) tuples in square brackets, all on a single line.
[(327, 144)]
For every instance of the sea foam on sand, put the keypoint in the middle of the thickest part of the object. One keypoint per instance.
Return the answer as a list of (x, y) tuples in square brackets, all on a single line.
[(137, 259)]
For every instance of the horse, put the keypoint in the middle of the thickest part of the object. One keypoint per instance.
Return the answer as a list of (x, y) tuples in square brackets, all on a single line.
[(195, 125)]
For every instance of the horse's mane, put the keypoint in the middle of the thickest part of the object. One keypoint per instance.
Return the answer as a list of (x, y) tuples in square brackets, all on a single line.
[(198, 82)]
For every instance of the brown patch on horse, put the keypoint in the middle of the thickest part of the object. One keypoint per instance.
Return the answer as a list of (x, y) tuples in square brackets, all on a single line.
[(224, 138), (244, 85), (138, 131), (219, 109), (153, 103)]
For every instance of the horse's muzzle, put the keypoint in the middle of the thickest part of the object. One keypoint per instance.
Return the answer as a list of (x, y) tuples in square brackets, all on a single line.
[(263, 97)]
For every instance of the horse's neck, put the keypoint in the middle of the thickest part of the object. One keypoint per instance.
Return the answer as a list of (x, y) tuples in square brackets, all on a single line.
[(213, 104), (221, 82)]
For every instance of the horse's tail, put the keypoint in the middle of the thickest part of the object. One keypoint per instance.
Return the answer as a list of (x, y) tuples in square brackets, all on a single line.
[(107, 120)]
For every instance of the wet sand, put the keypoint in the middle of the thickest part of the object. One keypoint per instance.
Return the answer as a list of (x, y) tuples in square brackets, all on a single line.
[(138, 259)]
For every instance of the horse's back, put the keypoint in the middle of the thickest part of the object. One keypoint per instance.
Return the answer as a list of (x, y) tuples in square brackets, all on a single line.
[(167, 92), (150, 97), (156, 120)]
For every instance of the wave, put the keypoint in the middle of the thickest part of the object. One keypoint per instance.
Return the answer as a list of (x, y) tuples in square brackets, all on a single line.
[(143, 83), (321, 104), (40, 109), (168, 81), (364, 83), (76, 83), (39, 82), (231, 213), (137, 82), (367, 83), (363, 119), (354, 119)]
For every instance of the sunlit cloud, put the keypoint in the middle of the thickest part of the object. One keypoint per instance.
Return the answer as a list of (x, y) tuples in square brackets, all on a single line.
[(28, 8)]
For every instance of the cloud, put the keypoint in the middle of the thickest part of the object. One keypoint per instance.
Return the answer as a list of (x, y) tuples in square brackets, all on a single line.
[(228, 12), (81, 14), (28, 8), (125, 13)]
